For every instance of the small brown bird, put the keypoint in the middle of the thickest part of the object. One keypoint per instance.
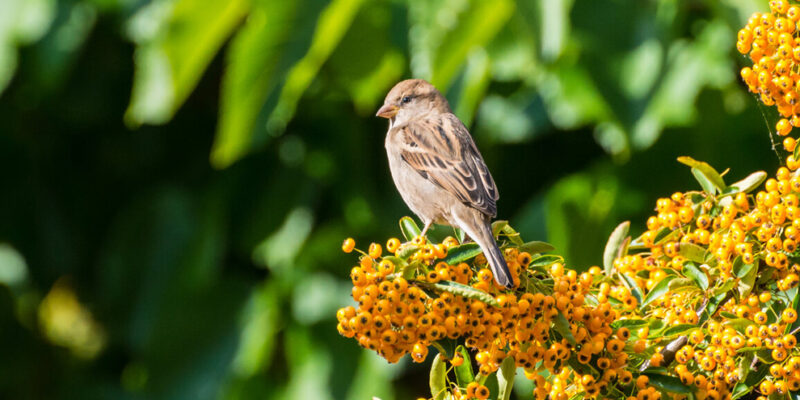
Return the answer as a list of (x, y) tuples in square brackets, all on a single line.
[(437, 168)]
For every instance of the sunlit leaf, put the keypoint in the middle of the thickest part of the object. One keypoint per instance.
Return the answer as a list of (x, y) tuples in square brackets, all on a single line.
[(409, 228), (438, 378), (690, 270), (677, 330), (692, 252), (746, 185), (479, 24), (707, 171), (171, 59), (628, 323), (462, 290), (536, 247), (464, 374), (253, 64), (505, 378), (562, 327), (635, 290), (613, 245), (658, 290), (462, 253), (668, 383), (545, 260)]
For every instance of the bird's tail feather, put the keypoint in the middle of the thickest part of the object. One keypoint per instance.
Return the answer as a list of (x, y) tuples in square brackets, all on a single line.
[(481, 233)]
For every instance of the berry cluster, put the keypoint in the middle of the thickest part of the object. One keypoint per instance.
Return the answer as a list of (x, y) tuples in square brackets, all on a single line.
[(771, 42)]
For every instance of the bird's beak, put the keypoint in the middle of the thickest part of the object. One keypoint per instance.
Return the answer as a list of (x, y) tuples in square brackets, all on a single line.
[(387, 111)]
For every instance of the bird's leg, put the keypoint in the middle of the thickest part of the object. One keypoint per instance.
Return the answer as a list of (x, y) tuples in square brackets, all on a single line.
[(425, 229)]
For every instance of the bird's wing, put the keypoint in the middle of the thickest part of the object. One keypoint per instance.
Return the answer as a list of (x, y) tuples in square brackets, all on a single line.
[(441, 150)]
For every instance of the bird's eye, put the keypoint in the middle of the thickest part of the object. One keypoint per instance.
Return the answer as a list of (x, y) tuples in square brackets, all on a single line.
[(406, 99)]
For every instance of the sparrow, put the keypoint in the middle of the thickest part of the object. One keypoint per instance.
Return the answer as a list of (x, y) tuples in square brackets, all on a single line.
[(437, 168)]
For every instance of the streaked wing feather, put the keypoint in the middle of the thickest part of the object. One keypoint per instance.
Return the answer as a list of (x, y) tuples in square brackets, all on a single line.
[(442, 151)]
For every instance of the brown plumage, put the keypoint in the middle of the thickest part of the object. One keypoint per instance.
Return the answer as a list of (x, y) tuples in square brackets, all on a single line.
[(437, 168)]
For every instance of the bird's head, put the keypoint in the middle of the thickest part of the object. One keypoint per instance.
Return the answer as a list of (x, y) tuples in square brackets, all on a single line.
[(412, 97)]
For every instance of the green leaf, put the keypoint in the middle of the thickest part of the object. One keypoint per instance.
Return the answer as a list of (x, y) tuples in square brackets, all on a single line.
[(796, 152), (171, 57), (706, 170), (637, 293), (739, 324), (740, 269), (497, 227), (409, 228), (705, 183), (562, 327), (667, 383), (677, 330), (438, 377), (747, 280), (665, 235), (510, 233), (464, 374), (333, 23), (613, 246), (692, 252), (679, 283), (711, 307), (747, 184), (690, 270), (795, 304), (628, 323), (398, 262), (459, 289), (546, 260), (725, 287), (536, 247), (475, 29), (505, 378), (254, 61), (407, 251), (658, 290), (462, 252)]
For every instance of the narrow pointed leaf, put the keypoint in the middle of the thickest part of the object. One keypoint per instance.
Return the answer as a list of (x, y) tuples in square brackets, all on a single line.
[(546, 260), (536, 247), (635, 290), (459, 289), (658, 290)]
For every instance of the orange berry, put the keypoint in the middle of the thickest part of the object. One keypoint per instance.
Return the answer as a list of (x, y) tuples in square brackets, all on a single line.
[(348, 245)]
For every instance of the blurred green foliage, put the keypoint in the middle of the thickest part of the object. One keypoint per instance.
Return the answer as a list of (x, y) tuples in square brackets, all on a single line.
[(178, 174)]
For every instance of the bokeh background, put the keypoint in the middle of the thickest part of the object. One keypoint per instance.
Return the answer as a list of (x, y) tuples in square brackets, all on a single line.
[(177, 175)]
